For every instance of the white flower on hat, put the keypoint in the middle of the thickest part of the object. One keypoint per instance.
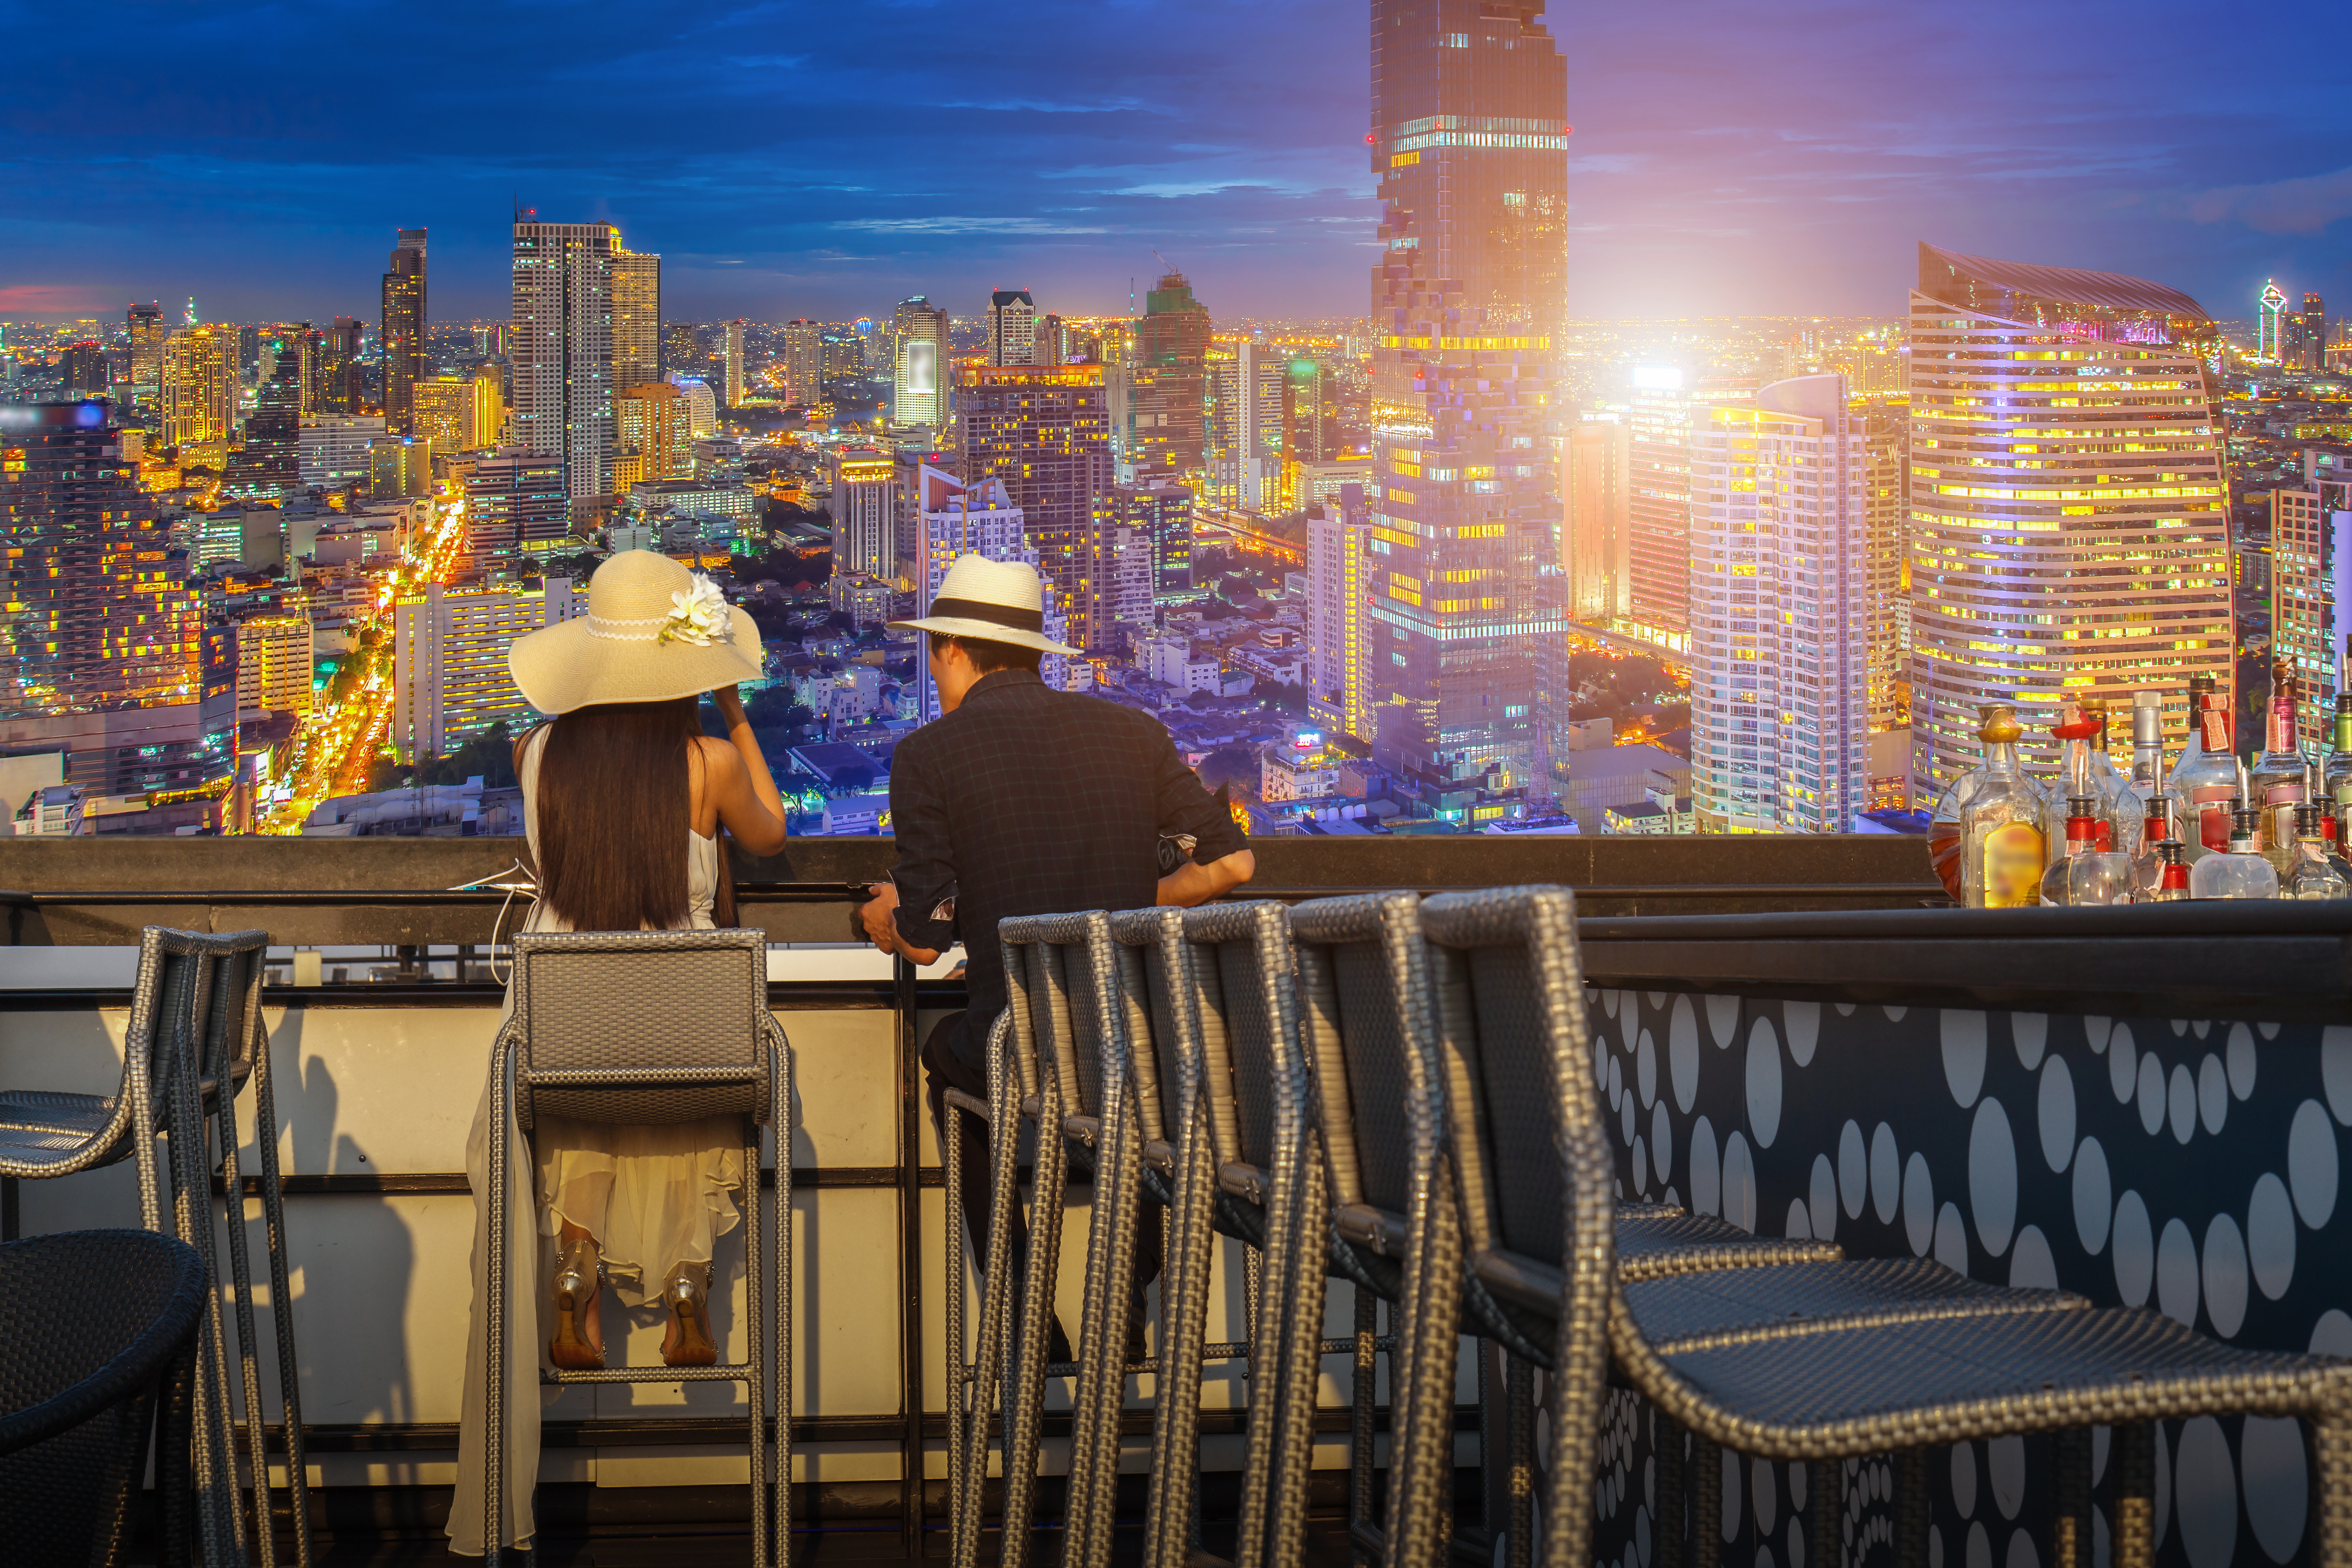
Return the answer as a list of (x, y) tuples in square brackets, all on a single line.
[(700, 616)]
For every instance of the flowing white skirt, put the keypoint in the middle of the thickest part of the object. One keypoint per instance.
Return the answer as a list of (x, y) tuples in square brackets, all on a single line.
[(652, 1196)]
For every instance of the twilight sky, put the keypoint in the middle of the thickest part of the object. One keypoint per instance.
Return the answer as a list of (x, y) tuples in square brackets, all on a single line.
[(827, 157)]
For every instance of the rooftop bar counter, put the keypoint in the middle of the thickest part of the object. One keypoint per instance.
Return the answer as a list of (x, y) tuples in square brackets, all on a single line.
[(2147, 1106)]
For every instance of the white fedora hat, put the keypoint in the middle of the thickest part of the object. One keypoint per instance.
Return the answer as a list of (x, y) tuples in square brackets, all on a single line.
[(654, 632), (990, 601)]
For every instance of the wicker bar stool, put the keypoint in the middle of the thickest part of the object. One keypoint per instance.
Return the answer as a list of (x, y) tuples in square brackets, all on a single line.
[(578, 1045), (80, 1391), (195, 1009), (1816, 1363)]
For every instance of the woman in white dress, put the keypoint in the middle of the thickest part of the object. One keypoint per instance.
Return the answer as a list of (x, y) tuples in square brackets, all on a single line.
[(623, 800)]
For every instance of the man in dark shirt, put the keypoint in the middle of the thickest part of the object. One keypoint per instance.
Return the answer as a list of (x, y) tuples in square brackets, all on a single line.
[(1020, 800)]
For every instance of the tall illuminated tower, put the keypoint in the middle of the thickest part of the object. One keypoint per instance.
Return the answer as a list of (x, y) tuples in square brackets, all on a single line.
[(636, 317), (1011, 328), (2270, 329), (1468, 134), (401, 334), (563, 349), (735, 361), (804, 360), (1779, 611), (146, 333), (2069, 518), (1162, 386), (917, 380)]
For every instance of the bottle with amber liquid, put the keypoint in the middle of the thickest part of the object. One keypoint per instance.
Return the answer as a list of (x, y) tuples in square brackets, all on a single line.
[(2003, 848)]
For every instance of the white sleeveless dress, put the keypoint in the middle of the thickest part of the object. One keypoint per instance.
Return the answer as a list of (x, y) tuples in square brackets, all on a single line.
[(651, 1196)]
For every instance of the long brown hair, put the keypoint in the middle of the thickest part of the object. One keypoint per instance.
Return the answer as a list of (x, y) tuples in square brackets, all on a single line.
[(615, 806)]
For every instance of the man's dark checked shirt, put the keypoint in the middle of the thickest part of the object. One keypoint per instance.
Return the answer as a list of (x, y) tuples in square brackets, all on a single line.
[(1031, 802)]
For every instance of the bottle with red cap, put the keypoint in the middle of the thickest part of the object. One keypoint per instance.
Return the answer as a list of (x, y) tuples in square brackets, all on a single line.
[(2205, 778)]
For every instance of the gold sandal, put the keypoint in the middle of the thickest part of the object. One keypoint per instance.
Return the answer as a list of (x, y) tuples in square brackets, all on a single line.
[(686, 1297), (579, 1277)]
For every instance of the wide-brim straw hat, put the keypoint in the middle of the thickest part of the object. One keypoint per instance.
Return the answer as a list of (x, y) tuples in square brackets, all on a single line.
[(990, 601), (655, 632)]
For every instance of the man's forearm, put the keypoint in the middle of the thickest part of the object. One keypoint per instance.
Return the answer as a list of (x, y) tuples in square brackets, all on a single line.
[(1192, 883)]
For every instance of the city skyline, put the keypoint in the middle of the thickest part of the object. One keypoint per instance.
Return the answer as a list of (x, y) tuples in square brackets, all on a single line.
[(1698, 183)]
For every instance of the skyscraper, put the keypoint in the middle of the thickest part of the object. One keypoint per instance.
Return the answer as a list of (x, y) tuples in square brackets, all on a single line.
[(562, 350), (1162, 389), (199, 377), (516, 507), (1241, 425), (104, 654), (1163, 510), (1045, 433), (449, 675), (655, 434), (2311, 587), (917, 387), (863, 512), (268, 464), (2270, 326), (1011, 328), (84, 370), (1468, 134), (804, 360), (1780, 612), (636, 316), (1887, 500), (735, 361), (339, 390), (2069, 520), (401, 337), (1596, 522), (1338, 585), (146, 332)]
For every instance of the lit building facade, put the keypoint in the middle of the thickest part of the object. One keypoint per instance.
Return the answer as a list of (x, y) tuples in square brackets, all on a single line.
[(400, 327), (2069, 517), (274, 661), (655, 442), (863, 508), (1044, 432), (449, 675), (1164, 512), (1160, 392), (144, 325), (2270, 326), (332, 451), (1011, 328), (636, 316), (562, 350), (1597, 521), (2311, 589), (961, 519), (919, 393), (1780, 601), (200, 381), (1339, 588), (804, 360), (106, 654), (1468, 142), (1241, 425), (515, 506), (1886, 424)]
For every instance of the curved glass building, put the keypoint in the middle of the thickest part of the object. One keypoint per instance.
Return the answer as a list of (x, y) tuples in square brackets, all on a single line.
[(2069, 520)]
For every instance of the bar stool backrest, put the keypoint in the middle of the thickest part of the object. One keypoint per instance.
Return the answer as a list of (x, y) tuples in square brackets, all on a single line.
[(1037, 994), (233, 1026), (1527, 1137), (1254, 1006), (1186, 1009), (1370, 1034), (685, 1004), (194, 990), (1074, 971)]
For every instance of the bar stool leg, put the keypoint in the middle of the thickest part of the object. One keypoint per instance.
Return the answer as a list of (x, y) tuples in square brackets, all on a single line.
[(992, 1346), (2332, 1437), (2069, 1502), (219, 1521), (494, 1327), (281, 1299), (1825, 1500), (1494, 1443), (2135, 1459), (1707, 1505), (780, 1336), (1025, 1414), (1670, 1531), (1912, 1507), (1172, 1521), (1518, 1552), (240, 1273), (756, 1344), (1359, 1421)]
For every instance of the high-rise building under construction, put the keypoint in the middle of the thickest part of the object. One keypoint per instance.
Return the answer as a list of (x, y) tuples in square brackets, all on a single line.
[(1468, 130)]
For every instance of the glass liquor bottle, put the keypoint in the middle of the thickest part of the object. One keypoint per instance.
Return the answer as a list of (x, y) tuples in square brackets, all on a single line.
[(2119, 809), (2172, 881), (2275, 782), (2147, 751), (2240, 871), (2162, 827), (2336, 783), (2084, 771), (2205, 777), (2082, 827), (2313, 873), (2002, 850)]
